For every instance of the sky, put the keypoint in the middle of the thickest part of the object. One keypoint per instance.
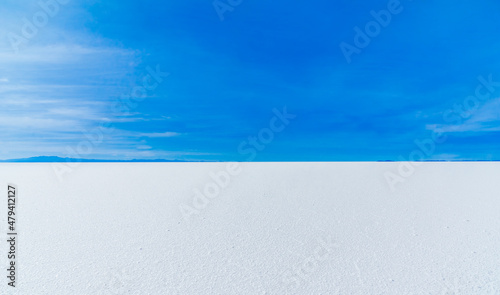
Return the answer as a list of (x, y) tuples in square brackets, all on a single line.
[(240, 80)]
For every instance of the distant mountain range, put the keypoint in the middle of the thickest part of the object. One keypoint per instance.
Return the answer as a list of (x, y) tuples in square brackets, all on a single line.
[(51, 159)]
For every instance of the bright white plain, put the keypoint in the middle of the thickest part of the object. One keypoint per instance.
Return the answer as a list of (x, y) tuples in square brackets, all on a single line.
[(276, 228)]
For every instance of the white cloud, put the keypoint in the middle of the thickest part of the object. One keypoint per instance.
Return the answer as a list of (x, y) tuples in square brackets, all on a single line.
[(31, 124), (133, 134), (162, 134), (64, 54), (61, 84), (485, 119)]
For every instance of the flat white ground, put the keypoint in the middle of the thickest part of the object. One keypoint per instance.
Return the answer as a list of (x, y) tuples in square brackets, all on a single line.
[(276, 228)]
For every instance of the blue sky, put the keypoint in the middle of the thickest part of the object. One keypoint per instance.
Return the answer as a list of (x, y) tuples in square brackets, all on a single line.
[(227, 72)]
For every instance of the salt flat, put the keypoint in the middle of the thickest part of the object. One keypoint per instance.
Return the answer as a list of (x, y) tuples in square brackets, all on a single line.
[(275, 228)]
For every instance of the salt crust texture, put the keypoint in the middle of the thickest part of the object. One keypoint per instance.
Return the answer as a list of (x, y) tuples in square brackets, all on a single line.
[(276, 228)]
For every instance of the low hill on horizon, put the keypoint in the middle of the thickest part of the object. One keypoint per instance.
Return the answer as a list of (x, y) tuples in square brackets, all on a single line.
[(55, 159)]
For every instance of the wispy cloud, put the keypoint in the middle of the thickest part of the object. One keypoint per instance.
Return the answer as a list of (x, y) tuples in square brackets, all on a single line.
[(56, 90), (485, 119), (160, 134)]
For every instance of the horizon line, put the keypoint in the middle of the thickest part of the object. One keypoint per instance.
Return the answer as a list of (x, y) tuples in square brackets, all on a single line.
[(56, 159)]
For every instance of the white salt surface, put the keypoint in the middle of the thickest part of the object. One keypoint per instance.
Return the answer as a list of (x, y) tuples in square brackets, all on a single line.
[(277, 228)]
